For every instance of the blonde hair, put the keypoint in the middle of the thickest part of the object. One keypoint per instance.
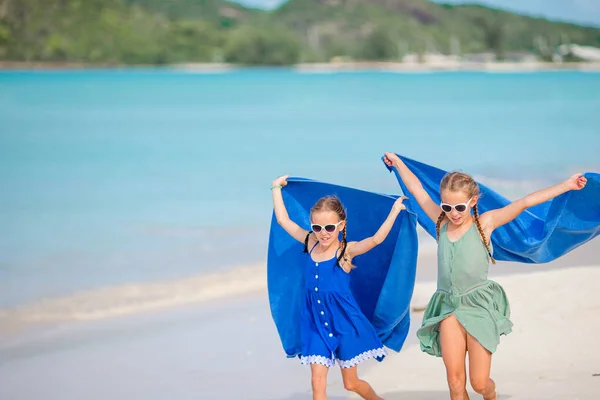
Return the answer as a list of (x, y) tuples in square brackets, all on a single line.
[(459, 182), (332, 203)]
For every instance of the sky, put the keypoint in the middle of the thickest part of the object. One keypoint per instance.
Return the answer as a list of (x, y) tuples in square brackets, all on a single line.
[(586, 12)]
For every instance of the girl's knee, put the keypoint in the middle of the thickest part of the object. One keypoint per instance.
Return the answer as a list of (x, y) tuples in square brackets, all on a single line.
[(351, 384), (319, 385), (457, 383), (481, 385), (318, 380)]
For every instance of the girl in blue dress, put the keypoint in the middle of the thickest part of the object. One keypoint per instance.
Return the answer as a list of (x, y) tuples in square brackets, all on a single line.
[(333, 328)]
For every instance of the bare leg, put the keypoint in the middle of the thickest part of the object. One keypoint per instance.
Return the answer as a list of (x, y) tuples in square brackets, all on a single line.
[(453, 339), (480, 364), (319, 381), (354, 384)]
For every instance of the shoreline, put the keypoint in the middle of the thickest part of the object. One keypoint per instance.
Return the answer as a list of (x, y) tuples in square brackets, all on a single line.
[(200, 290), (387, 66)]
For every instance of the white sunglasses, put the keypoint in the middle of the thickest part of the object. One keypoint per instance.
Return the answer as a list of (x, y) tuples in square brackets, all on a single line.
[(460, 207), (328, 228)]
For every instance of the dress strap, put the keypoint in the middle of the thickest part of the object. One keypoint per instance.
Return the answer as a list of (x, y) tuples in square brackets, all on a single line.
[(336, 252)]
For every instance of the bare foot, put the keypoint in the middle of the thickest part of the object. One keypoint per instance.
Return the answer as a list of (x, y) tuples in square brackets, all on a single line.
[(492, 396)]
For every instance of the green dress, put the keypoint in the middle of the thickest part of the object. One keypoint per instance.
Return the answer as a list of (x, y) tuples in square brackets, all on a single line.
[(463, 289)]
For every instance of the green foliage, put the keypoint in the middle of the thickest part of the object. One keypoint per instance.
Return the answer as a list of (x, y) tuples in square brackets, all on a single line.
[(221, 13), (179, 31), (379, 45), (193, 41), (252, 45)]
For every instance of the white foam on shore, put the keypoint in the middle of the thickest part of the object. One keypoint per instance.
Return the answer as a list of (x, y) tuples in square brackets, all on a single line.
[(135, 298)]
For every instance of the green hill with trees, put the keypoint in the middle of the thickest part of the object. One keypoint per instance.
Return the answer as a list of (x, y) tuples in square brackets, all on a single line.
[(159, 32)]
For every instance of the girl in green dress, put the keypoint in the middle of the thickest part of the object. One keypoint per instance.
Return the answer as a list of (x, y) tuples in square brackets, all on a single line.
[(468, 313)]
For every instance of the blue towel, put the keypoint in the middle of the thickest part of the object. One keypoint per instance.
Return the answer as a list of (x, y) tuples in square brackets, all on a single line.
[(539, 234), (383, 281)]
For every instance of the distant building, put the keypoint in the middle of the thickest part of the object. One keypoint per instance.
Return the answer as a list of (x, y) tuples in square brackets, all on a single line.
[(577, 53)]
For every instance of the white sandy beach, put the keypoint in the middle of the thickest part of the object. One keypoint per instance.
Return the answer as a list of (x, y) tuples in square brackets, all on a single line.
[(210, 347)]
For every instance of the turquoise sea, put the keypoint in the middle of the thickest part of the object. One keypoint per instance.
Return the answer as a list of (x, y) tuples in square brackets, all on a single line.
[(136, 175)]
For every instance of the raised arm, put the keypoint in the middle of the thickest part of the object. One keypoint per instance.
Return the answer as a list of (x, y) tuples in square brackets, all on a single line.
[(414, 186), (358, 248), (281, 213), (496, 218)]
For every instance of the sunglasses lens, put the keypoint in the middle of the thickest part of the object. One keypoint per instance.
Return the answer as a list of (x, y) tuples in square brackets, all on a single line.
[(460, 208), (330, 228), (446, 208), (316, 228)]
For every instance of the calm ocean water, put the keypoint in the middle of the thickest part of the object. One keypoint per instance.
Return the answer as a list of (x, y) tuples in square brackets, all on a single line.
[(109, 177)]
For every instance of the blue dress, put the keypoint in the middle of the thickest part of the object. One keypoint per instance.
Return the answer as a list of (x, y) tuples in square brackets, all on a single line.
[(382, 284), (333, 326)]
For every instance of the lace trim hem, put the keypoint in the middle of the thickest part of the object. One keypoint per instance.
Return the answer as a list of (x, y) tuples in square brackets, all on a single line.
[(306, 360), (367, 355)]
